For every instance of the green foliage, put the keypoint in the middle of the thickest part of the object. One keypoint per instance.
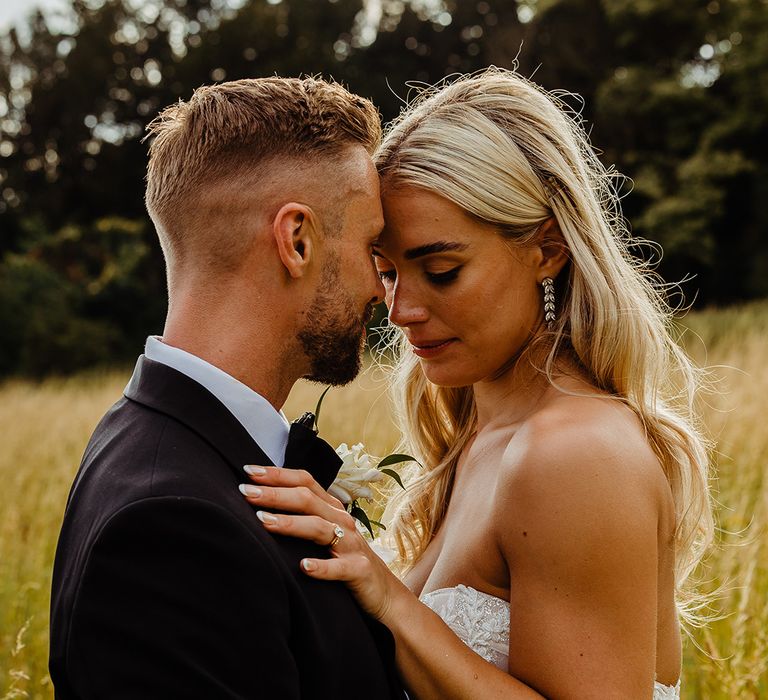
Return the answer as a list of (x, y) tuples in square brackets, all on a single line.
[(77, 298), (359, 514), (319, 406), (683, 116), (670, 90), (392, 473), (39, 323)]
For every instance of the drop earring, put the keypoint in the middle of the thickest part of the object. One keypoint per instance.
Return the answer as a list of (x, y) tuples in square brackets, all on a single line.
[(548, 285)]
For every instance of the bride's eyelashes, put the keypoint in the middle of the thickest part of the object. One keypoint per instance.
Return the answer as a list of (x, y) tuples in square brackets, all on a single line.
[(444, 278), (438, 278)]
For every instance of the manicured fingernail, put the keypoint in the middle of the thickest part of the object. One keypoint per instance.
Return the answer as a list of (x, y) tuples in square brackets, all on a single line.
[(250, 491), (253, 470), (308, 565), (266, 517)]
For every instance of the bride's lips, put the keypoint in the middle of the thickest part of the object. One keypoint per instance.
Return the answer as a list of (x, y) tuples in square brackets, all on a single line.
[(430, 348)]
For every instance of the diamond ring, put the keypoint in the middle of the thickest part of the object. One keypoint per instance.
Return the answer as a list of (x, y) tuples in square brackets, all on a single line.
[(338, 533)]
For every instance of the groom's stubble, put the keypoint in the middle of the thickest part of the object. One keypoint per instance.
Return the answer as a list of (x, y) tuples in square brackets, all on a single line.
[(333, 336)]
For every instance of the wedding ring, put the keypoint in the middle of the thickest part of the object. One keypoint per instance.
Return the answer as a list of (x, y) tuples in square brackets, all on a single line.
[(338, 533)]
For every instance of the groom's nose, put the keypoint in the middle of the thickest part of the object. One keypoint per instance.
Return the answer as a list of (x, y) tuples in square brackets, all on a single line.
[(377, 287), (380, 291)]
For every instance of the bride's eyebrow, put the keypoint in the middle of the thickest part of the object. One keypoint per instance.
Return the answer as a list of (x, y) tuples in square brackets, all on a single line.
[(432, 248)]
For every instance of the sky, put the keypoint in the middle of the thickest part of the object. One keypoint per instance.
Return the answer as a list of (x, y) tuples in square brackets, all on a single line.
[(13, 11)]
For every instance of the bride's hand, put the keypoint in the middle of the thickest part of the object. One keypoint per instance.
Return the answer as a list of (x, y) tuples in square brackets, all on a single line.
[(309, 512)]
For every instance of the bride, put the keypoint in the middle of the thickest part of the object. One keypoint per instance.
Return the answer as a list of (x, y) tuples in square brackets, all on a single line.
[(563, 499)]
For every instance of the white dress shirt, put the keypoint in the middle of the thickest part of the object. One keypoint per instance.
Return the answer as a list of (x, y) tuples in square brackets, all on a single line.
[(267, 426)]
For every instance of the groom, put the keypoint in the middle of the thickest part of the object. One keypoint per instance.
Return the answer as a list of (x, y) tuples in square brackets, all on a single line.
[(166, 585)]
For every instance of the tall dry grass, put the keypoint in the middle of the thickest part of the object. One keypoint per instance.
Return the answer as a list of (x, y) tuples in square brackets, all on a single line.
[(44, 428), (733, 661)]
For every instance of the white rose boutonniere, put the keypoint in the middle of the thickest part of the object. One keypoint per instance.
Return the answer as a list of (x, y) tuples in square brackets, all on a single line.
[(358, 471)]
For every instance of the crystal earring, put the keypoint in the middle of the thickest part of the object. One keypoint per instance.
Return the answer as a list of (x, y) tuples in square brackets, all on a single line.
[(549, 302)]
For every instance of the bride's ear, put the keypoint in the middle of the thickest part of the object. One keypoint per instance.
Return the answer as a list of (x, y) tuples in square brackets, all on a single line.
[(553, 248), (294, 230)]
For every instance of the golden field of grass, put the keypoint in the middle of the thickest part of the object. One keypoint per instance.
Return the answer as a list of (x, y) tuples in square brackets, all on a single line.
[(45, 426)]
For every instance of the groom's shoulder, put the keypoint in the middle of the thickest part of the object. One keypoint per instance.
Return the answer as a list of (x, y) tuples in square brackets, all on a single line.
[(138, 454), (143, 474), (141, 444)]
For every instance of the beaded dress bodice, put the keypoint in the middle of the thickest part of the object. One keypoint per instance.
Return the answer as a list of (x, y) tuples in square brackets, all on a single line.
[(481, 621)]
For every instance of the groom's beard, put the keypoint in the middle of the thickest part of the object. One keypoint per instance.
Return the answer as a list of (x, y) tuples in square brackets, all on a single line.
[(333, 337)]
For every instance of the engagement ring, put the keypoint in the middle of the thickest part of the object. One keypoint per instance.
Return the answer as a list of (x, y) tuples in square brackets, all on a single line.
[(338, 533)]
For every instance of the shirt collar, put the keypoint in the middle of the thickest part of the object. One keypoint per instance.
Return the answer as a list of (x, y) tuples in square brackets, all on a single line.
[(268, 427)]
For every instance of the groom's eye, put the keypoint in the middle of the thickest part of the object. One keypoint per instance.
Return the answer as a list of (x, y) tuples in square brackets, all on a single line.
[(387, 275)]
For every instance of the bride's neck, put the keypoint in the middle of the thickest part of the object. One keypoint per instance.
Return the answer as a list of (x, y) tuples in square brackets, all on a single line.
[(515, 393)]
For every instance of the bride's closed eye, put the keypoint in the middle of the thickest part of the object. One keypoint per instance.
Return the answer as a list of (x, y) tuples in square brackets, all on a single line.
[(438, 278), (444, 278)]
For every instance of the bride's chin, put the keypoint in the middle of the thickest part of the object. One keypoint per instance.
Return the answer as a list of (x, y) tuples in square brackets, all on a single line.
[(447, 377)]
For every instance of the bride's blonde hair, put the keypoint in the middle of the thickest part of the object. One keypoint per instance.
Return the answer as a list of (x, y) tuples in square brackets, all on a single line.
[(511, 154)]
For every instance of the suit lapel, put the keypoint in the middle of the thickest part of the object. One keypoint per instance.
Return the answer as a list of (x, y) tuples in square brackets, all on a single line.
[(172, 393)]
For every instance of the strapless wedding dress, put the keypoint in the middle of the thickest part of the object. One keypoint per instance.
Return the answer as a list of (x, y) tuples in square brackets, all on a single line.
[(481, 621)]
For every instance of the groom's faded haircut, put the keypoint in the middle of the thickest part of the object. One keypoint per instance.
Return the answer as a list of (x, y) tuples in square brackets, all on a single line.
[(228, 131)]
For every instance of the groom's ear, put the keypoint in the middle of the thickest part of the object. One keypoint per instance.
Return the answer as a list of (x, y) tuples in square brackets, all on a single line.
[(294, 230)]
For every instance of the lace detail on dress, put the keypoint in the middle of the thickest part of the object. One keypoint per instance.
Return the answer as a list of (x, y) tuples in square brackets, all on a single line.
[(481, 621), (666, 692)]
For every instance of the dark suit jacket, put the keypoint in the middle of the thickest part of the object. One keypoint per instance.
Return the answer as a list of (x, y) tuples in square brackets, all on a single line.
[(165, 583)]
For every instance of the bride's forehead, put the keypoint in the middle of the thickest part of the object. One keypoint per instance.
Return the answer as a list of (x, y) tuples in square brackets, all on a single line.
[(412, 212), (405, 204), (420, 236)]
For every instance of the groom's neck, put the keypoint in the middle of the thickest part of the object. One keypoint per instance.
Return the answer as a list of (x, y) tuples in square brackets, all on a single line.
[(255, 346)]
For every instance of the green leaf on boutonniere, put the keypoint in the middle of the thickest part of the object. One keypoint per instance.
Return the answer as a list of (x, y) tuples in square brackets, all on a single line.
[(396, 459), (317, 408), (378, 524), (357, 512), (394, 475)]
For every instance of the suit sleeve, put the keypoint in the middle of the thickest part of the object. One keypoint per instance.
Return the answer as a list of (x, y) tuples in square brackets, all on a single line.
[(180, 600)]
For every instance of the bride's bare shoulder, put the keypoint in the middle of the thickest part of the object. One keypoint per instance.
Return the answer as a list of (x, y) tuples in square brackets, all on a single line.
[(582, 431), (581, 457)]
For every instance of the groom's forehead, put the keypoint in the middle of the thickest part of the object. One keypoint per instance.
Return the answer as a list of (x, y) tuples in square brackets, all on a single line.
[(364, 204)]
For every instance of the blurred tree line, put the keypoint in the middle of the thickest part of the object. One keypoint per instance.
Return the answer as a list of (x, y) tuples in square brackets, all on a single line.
[(671, 92)]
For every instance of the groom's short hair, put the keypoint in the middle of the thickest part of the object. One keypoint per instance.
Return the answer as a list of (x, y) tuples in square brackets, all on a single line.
[(228, 131)]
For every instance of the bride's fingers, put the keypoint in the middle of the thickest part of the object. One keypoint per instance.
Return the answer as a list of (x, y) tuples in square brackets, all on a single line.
[(286, 478), (295, 499), (346, 568), (370, 583), (306, 527)]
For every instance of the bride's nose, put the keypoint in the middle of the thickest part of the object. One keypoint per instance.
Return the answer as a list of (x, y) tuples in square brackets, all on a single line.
[(405, 307)]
